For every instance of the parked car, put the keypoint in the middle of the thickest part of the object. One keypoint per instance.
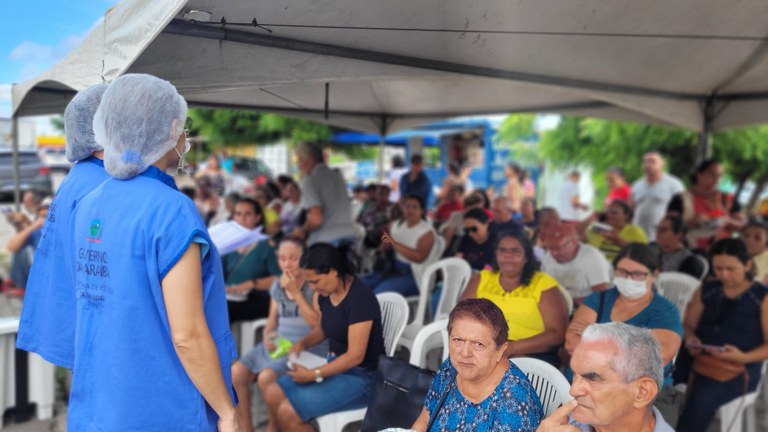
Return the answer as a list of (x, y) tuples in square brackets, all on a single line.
[(55, 158), (253, 169), (33, 174)]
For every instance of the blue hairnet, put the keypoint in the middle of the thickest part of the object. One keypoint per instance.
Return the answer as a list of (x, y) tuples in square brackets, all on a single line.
[(78, 123), (139, 120)]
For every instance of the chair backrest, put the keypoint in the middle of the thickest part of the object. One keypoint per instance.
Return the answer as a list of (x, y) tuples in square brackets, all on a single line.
[(568, 299), (456, 273), (677, 288), (705, 270), (419, 342), (550, 385), (394, 318)]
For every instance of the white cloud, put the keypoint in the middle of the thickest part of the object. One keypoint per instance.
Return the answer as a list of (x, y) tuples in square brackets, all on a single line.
[(34, 58)]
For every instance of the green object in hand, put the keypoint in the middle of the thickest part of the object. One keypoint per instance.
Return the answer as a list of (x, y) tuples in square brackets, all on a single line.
[(283, 345)]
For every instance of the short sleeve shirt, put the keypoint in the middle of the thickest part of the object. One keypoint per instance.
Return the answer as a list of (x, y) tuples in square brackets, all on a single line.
[(578, 276), (513, 405), (359, 305), (651, 201), (47, 325), (630, 233), (126, 236), (325, 188), (521, 305), (568, 190)]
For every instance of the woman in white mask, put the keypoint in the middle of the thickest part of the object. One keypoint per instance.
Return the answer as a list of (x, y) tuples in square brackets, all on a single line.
[(632, 300)]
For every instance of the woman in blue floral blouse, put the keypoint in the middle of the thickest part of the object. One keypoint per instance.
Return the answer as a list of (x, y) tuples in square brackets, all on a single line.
[(484, 391)]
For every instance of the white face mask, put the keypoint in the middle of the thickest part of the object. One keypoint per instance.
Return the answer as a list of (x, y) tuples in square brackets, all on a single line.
[(629, 288), (181, 167)]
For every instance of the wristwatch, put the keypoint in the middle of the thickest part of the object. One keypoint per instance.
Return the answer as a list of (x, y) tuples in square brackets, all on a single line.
[(318, 377)]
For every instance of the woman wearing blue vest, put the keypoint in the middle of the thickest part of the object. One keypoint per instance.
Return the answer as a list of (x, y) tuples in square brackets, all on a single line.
[(152, 347), (47, 325)]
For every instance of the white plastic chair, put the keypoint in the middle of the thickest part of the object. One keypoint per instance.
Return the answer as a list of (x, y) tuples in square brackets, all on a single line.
[(677, 288), (394, 316), (417, 352), (248, 334), (456, 273), (550, 385), (705, 262), (734, 411)]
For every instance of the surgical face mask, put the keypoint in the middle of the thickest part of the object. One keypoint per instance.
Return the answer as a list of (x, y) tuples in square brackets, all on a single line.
[(629, 288), (181, 167)]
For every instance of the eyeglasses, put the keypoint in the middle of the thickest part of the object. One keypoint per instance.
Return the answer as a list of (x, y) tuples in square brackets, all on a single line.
[(634, 275)]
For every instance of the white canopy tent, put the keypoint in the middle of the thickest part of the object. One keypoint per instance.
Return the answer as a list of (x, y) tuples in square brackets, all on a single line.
[(381, 66)]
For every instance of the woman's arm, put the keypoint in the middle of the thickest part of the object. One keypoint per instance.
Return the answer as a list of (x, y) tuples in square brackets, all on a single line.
[(691, 320), (310, 312), (470, 291), (18, 241), (555, 315), (358, 336), (271, 327), (420, 425), (183, 296), (582, 318), (423, 247), (669, 342)]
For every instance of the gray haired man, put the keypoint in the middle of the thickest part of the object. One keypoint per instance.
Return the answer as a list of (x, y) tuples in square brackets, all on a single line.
[(617, 374)]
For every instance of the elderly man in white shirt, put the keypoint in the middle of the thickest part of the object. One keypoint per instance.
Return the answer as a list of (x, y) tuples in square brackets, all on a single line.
[(577, 267)]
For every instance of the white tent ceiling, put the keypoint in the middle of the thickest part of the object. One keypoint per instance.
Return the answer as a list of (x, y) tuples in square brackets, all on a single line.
[(387, 65)]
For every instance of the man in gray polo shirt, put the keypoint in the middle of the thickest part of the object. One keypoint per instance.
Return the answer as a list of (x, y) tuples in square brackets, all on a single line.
[(324, 198), (651, 194)]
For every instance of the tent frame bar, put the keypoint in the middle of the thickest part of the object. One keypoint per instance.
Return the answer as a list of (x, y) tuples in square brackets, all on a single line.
[(185, 28)]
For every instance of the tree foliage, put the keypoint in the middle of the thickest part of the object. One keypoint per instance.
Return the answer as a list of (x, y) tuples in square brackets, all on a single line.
[(601, 144), (224, 127)]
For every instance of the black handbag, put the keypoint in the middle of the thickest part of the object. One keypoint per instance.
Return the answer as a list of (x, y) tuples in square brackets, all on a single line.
[(398, 395)]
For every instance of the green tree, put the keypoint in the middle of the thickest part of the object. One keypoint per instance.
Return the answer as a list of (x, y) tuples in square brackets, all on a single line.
[(58, 123), (744, 155)]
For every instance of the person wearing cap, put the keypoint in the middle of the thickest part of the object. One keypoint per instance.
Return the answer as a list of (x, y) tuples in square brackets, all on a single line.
[(47, 324), (152, 349), (415, 182), (578, 267)]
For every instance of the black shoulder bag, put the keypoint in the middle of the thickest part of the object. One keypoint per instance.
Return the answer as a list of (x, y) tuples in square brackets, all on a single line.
[(398, 395)]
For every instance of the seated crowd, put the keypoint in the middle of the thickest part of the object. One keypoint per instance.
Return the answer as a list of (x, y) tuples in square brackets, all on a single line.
[(539, 285)]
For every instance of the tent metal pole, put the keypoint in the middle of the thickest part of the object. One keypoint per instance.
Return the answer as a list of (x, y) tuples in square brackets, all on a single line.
[(16, 172), (382, 144), (703, 147)]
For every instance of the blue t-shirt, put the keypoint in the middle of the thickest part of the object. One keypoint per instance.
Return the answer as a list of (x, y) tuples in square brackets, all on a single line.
[(659, 314), (420, 187), (47, 325), (127, 235), (513, 405)]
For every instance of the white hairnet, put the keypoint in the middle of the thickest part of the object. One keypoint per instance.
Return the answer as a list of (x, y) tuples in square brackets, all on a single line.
[(78, 123), (139, 120)]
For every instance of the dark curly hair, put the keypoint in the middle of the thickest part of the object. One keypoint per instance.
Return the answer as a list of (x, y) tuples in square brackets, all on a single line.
[(532, 264)]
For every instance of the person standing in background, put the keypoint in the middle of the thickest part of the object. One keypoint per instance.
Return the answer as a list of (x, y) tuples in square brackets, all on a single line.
[(50, 292), (415, 182), (569, 202), (619, 189), (652, 193)]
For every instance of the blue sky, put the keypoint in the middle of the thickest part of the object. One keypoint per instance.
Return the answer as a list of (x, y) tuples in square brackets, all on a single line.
[(35, 34)]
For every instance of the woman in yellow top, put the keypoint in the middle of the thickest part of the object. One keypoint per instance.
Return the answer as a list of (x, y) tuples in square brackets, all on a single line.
[(532, 303), (610, 242)]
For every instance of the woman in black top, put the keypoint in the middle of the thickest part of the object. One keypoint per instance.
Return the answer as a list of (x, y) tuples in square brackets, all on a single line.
[(477, 246), (350, 317)]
